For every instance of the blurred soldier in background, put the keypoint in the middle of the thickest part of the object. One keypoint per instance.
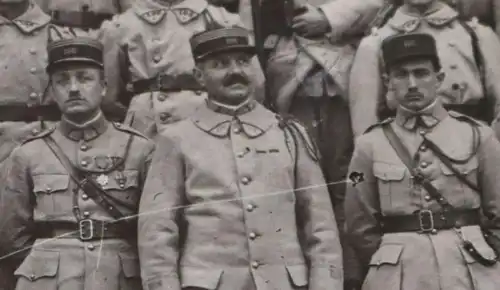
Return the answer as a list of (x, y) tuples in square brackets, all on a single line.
[(469, 55), (69, 192), (148, 60)]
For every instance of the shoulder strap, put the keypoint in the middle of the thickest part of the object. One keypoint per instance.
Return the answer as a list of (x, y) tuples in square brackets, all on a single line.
[(405, 156), (85, 183), (476, 51)]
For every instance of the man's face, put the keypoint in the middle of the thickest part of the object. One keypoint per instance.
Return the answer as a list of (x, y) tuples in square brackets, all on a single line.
[(226, 76), (414, 83), (78, 89)]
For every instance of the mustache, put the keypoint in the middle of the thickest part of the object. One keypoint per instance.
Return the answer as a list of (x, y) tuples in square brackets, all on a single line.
[(74, 96), (234, 79)]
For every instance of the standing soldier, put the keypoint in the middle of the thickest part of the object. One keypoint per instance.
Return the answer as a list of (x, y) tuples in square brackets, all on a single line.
[(69, 192), (147, 51), (468, 51), (244, 206), (428, 175)]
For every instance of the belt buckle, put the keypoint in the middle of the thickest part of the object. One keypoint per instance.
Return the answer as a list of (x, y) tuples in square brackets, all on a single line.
[(426, 221), (86, 228)]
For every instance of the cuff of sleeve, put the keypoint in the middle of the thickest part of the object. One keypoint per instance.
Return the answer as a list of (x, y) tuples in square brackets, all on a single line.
[(170, 282), (326, 277)]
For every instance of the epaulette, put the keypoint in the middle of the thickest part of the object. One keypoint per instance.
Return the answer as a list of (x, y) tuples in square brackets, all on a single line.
[(465, 118), (128, 129), (43, 133), (297, 129), (379, 124)]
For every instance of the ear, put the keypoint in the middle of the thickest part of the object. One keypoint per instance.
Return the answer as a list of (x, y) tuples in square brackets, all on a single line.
[(199, 76), (386, 80), (440, 78)]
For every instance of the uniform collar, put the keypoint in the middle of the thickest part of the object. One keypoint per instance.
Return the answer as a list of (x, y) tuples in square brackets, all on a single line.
[(216, 119), (87, 131), (34, 18), (185, 11), (405, 22), (431, 116)]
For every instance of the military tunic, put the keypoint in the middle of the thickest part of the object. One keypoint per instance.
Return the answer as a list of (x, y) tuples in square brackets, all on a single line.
[(410, 260), (224, 197), (462, 83), (150, 40), (37, 189)]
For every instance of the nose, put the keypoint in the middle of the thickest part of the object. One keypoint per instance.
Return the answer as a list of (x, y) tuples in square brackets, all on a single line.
[(235, 67), (73, 85), (412, 82)]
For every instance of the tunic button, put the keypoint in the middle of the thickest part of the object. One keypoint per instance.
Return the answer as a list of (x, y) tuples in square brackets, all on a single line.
[(250, 207), (423, 148), (84, 163), (86, 214), (157, 58), (255, 264), (198, 93), (35, 131), (424, 164), (84, 147), (422, 132), (33, 70), (162, 97), (427, 198), (91, 247), (252, 236), (237, 130), (245, 180), (32, 277), (434, 231), (85, 197), (33, 95), (241, 155), (165, 116)]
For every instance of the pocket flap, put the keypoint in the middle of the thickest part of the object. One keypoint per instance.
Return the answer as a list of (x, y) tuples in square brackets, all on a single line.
[(200, 277), (462, 168), (298, 275), (48, 183), (130, 265), (39, 264), (387, 172), (387, 254), (128, 179)]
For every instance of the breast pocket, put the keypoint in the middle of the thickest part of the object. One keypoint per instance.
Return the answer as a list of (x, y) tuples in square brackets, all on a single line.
[(51, 191), (391, 184), (469, 170), (122, 186)]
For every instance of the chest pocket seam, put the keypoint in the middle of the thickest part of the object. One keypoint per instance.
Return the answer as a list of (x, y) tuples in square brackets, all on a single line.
[(388, 172), (48, 183)]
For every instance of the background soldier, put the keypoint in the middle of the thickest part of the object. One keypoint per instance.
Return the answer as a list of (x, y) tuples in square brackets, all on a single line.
[(148, 47), (69, 190), (257, 214), (415, 218), (468, 53)]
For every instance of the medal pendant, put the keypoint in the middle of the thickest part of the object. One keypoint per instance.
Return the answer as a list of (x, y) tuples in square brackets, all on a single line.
[(102, 180)]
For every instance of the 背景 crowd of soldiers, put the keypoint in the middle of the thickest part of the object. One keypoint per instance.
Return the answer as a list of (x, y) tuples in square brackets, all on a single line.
[(249, 145)]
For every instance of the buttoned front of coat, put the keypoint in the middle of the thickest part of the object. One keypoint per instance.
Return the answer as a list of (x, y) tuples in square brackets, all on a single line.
[(462, 83), (231, 180), (37, 188), (395, 259)]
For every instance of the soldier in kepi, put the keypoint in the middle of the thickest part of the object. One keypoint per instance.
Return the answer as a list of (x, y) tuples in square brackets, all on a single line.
[(67, 193), (429, 173), (469, 55), (235, 198), (148, 60)]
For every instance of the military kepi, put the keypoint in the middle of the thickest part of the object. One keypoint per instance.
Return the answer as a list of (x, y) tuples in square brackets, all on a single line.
[(409, 46), (219, 40), (79, 50)]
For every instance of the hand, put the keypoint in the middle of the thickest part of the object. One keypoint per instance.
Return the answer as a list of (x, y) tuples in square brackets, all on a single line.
[(311, 23)]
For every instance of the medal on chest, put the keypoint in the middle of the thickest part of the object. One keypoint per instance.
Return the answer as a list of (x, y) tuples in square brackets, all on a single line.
[(102, 179)]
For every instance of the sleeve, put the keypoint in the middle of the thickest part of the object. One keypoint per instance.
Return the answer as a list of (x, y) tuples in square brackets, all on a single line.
[(350, 16), (159, 215), (16, 206), (150, 147), (489, 159), (496, 16), (362, 204), (365, 86), (489, 45), (115, 65), (316, 222)]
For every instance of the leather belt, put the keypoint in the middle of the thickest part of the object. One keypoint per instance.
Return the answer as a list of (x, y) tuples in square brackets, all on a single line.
[(167, 83), (79, 19), (84, 230), (24, 113), (426, 221)]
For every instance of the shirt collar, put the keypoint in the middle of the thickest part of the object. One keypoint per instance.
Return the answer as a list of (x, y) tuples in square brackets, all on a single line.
[(185, 11), (87, 131), (406, 22), (34, 18), (431, 116), (217, 119)]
